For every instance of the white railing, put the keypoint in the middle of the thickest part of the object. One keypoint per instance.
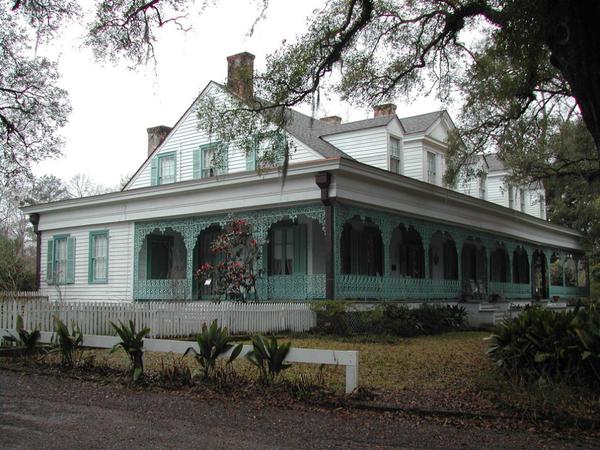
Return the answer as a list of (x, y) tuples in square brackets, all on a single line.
[(346, 358), (165, 319)]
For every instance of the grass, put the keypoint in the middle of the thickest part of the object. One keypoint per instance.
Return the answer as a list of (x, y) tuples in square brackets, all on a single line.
[(449, 371)]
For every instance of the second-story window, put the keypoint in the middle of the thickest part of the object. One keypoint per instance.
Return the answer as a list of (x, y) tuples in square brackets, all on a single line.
[(511, 197), (394, 155), (482, 186), (166, 169), (431, 168), (210, 160), (542, 207)]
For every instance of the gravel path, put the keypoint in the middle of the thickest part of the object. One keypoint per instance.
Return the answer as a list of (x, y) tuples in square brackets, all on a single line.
[(42, 412)]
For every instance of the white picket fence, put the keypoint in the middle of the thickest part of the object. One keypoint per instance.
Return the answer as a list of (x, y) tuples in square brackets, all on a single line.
[(165, 319)]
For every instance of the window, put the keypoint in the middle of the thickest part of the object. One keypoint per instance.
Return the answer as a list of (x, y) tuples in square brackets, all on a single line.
[(163, 169), (287, 252), (511, 197), (482, 186), (60, 267), (210, 160), (268, 152), (542, 207), (394, 155), (98, 257), (522, 193), (431, 168)]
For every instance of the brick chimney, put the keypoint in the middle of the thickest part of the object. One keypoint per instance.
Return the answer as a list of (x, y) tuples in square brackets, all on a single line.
[(334, 120), (156, 136), (240, 74), (387, 109)]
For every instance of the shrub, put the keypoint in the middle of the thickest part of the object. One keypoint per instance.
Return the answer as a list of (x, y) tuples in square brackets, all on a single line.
[(389, 319), (542, 345), (132, 342), (332, 317), (68, 343), (268, 357), (27, 341), (213, 342)]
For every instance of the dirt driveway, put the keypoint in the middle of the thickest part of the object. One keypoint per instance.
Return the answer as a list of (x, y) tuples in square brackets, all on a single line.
[(42, 412)]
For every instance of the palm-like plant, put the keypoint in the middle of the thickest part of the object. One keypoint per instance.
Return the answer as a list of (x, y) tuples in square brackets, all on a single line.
[(268, 356), (68, 343), (213, 342), (26, 340), (132, 342)]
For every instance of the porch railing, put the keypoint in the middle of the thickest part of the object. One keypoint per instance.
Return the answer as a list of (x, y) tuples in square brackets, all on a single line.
[(510, 290), (176, 289), (365, 286)]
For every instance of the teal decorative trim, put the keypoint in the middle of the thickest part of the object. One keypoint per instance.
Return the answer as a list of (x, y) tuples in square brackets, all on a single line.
[(191, 227), (291, 287)]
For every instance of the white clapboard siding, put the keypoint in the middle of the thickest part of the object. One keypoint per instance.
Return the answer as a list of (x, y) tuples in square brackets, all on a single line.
[(497, 192), (164, 319), (186, 137), (120, 271), (367, 146), (412, 164)]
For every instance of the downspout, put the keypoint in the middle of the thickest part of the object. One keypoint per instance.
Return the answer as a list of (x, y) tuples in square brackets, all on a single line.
[(34, 218), (323, 180)]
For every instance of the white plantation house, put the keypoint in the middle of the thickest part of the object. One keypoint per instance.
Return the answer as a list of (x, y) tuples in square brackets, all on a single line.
[(363, 214)]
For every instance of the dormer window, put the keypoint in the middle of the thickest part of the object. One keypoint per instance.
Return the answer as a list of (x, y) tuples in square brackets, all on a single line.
[(511, 197), (431, 168), (163, 168), (394, 155)]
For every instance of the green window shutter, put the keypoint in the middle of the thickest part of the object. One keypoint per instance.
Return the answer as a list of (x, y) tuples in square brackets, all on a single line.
[(300, 249), (201, 165), (154, 172), (50, 262), (251, 159), (70, 278), (223, 150), (196, 161), (90, 258)]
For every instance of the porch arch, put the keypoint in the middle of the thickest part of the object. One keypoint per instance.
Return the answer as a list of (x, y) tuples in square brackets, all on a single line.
[(499, 264), (474, 266), (361, 247), (570, 268), (539, 274), (203, 254), (556, 270), (520, 266), (443, 258), (407, 257)]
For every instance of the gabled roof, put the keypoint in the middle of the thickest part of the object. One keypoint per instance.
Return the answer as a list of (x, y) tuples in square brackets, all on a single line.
[(374, 122), (420, 123), (494, 163)]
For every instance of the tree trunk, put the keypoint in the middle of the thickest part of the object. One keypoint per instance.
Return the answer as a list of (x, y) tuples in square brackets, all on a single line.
[(574, 40)]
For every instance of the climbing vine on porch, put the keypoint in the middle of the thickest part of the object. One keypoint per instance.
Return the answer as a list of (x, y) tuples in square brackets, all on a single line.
[(234, 276)]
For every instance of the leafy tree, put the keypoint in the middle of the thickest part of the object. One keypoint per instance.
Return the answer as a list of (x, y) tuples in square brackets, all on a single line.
[(17, 273), (32, 106)]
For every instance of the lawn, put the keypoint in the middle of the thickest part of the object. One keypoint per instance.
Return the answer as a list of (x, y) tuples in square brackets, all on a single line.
[(449, 371)]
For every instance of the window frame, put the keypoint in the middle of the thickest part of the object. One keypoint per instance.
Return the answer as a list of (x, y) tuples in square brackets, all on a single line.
[(252, 158), (69, 277), (91, 257), (160, 159), (215, 147), (431, 157), (391, 156)]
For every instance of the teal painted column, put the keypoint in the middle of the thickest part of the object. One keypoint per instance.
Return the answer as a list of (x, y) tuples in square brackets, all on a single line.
[(189, 240)]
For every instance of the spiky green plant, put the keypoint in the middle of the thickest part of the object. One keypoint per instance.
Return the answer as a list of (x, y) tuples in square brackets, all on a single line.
[(27, 341), (213, 342), (68, 343), (268, 356), (132, 342)]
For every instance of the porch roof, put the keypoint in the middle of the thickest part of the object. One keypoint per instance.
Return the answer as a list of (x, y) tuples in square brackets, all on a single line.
[(352, 182)]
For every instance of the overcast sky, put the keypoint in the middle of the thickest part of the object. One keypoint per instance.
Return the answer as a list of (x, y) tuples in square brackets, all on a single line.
[(112, 106)]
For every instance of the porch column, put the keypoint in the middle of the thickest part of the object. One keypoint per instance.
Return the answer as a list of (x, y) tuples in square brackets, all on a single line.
[(323, 180), (189, 239)]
